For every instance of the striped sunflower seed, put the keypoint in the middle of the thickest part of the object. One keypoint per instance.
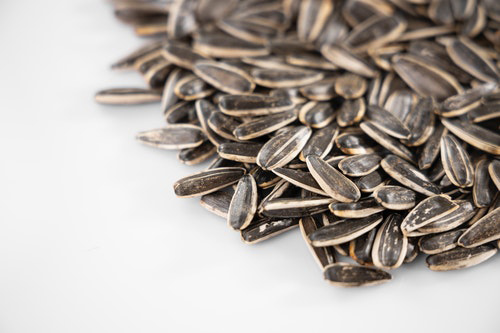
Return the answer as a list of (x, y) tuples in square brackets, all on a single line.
[(207, 181), (243, 204), (348, 275)]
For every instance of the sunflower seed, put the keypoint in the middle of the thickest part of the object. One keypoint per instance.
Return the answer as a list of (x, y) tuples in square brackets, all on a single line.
[(181, 55), (442, 242), (408, 175), (316, 114), (451, 221), (348, 275), (459, 258), (428, 211), (375, 32), (223, 125), (321, 142), (386, 141), (243, 204), (285, 78), (191, 88), (395, 197), (173, 137), (123, 96), (420, 122), (464, 54), (390, 245), (323, 90), (218, 202), (484, 190), (362, 208), (351, 112), (343, 58), (207, 181), (245, 152), (265, 125), (456, 162), (359, 165), (474, 135), (295, 207), (253, 105), (431, 148), (226, 78), (313, 15), (371, 182), (323, 255), (220, 45), (332, 181), (266, 228), (425, 79), (301, 179), (494, 171), (355, 143), (485, 230), (197, 155), (283, 148), (360, 249), (344, 231), (350, 86)]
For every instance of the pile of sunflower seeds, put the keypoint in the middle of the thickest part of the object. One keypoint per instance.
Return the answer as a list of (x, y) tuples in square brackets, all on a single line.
[(372, 125)]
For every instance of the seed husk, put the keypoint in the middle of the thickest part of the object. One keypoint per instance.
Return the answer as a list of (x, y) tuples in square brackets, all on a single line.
[(456, 162), (295, 207), (178, 136), (321, 142), (266, 228), (437, 243), (400, 103), (221, 45), (484, 190), (285, 78), (218, 202), (408, 175), (348, 275), (334, 183), (351, 112), (395, 197), (459, 258), (431, 149), (420, 122), (372, 181), (485, 230), (347, 60), (283, 148), (320, 91), (316, 114), (224, 77), (243, 204), (359, 165), (355, 143), (494, 171), (360, 249), (207, 181), (474, 135), (301, 179), (191, 88), (390, 245), (428, 211), (181, 55), (375, 32), (425, 79), (324, 255), (253, 105), (350, 86), (344, 231), (464, 54), (313, 15), (245, 152), (197, 155), (359, 209), (264, 125), (127, 96), (386, 141), (464, 213)]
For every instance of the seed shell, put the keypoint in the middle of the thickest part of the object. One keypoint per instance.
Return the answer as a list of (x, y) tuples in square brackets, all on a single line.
[(243, 204), (485, 230), (173, 137), (390, 245), (207, 181), (459, 258), (349, 275)]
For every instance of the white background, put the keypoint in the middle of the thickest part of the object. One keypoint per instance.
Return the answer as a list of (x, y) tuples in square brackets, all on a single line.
[(92, 238)]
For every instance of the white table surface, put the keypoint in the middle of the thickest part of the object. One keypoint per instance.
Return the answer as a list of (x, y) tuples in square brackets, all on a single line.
[(92, 238)]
